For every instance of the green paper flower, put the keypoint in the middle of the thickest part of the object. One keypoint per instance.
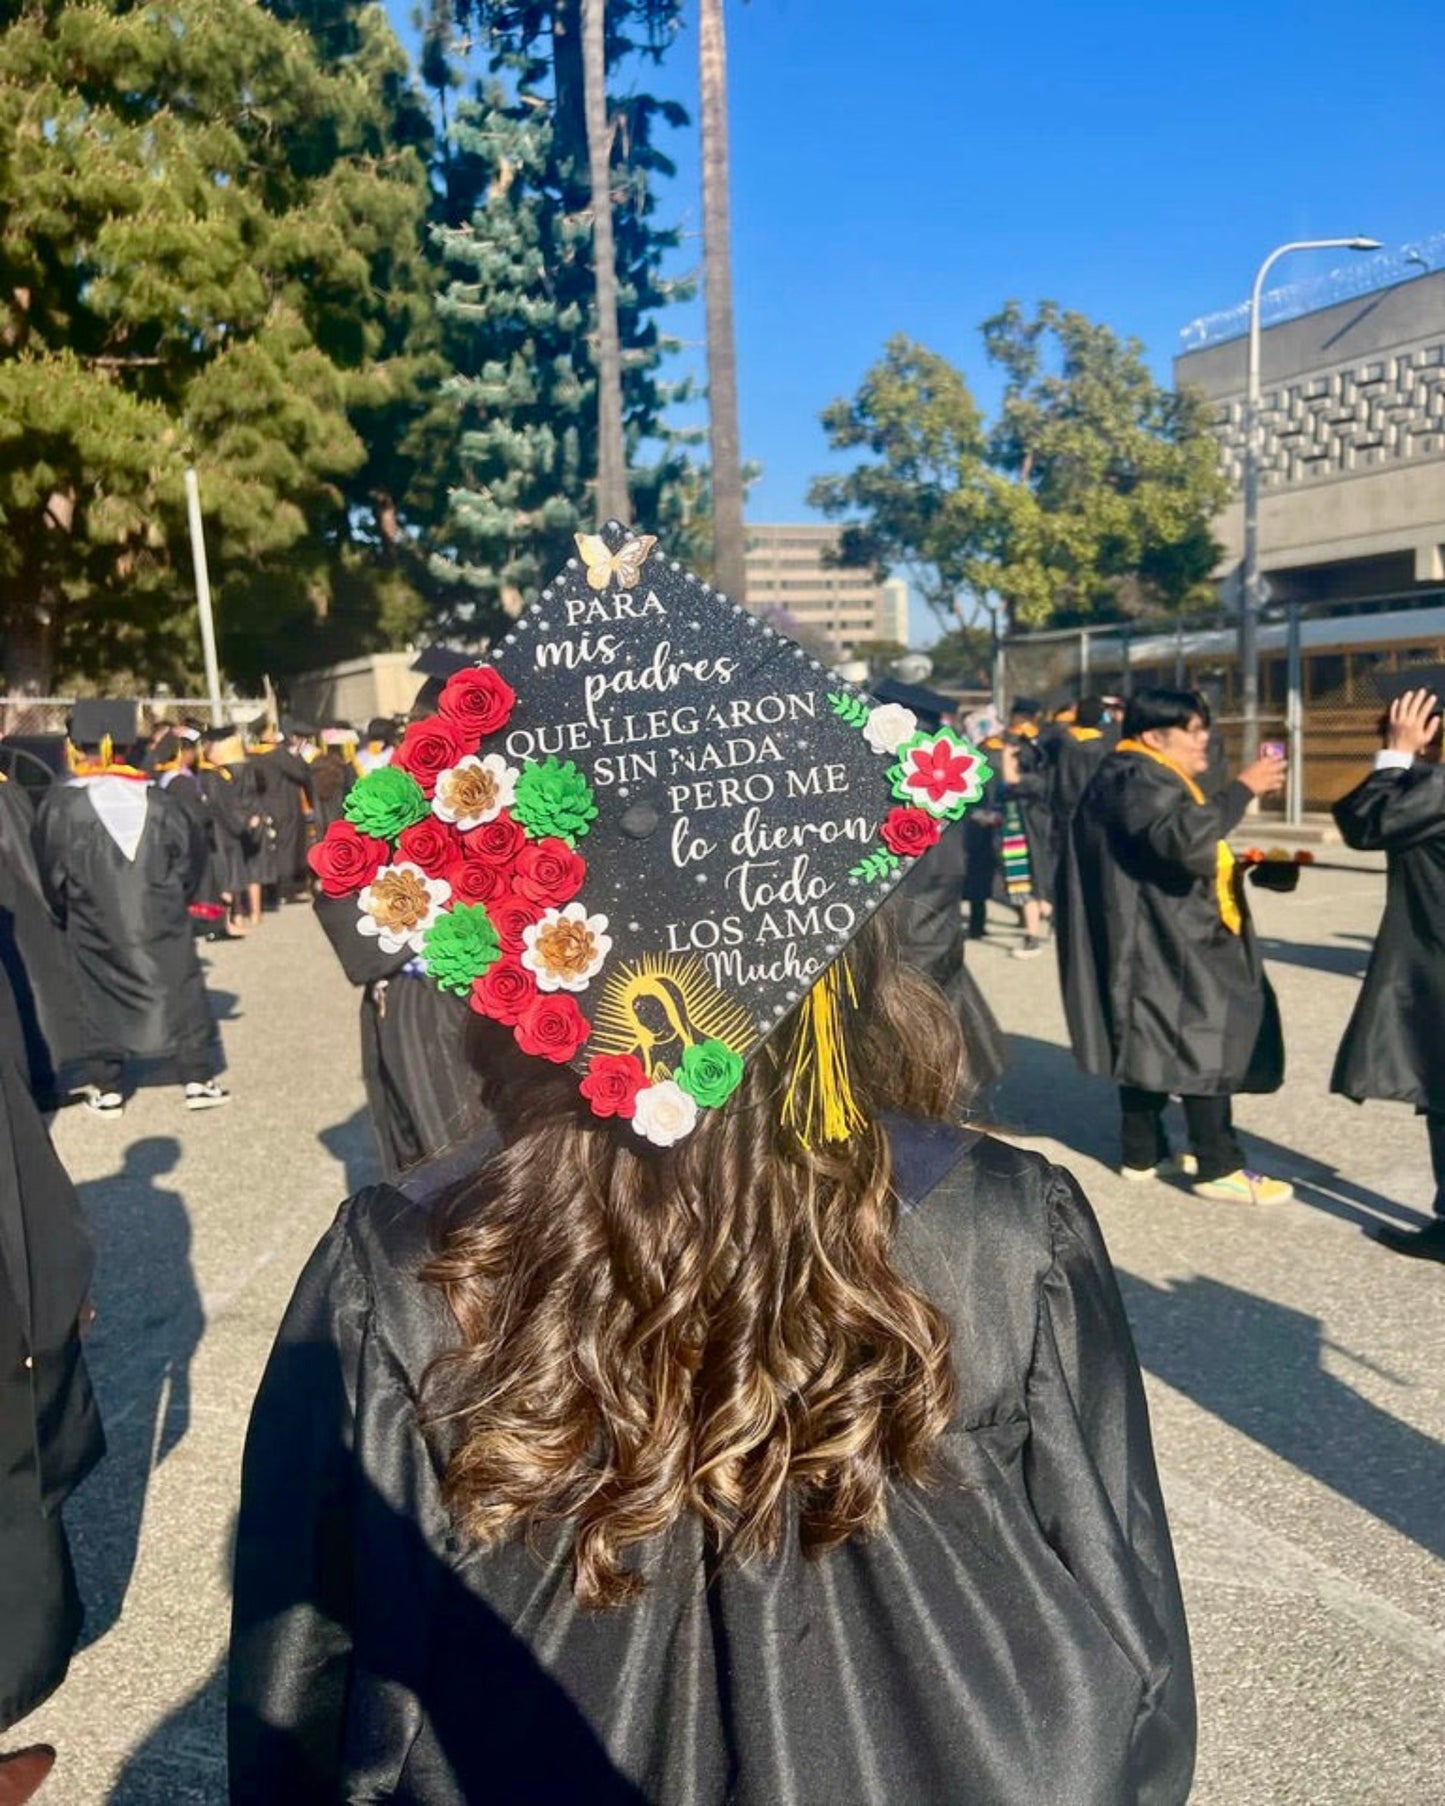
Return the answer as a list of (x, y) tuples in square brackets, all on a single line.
[(384, 802), (709, 1072), (554, 798), (460, 945)]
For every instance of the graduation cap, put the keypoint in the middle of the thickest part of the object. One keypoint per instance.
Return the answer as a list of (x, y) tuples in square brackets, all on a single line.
[(295, 729), (914, 696), (642, 832), (95, 719), (441, 661), (1394, 684)]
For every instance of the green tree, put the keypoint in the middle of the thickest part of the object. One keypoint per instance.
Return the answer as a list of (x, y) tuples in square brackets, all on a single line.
[(209, 250), (519, 302), (1089, 497)]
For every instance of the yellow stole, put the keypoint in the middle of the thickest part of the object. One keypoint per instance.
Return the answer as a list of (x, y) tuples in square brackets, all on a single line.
[(1224, 891), (1084, 733)]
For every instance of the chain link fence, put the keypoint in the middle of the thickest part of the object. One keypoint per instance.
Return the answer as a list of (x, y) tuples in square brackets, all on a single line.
[(32, 728)]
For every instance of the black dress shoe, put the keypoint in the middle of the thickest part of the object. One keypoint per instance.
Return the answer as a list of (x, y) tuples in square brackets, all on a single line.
[(1424, 1244)]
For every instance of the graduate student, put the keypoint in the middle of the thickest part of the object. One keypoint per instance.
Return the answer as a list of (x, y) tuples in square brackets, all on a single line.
[(1164, 988), (50, 1434), (33, 952), (1394, 1045), (732, 1426), (120, 860)]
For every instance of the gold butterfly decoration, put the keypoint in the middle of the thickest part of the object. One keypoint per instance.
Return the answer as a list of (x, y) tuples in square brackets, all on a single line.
[(625, 564)]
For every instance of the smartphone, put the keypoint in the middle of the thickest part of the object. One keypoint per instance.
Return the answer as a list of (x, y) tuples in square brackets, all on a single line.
[(1273, 749)]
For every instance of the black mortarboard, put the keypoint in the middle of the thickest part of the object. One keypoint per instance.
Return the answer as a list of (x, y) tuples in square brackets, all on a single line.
[(914, 696), (642, 831), (441, 661), (94, 719), (297, 729), (1392, 684)]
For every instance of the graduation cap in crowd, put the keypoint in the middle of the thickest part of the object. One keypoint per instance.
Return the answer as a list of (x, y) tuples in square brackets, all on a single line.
[(436, 664), (1394, 684), (95, 720), (644, 830), (928, 704), (295, 729)]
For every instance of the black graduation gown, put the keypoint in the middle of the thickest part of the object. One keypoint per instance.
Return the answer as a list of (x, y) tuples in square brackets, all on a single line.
[(127, 923), (50, 1435), (185, 788), (1394, 1045), (1033, 792), (925, 911), (33, 952), (229, 811), (1157, 991), (1078, 754), (421, 1089), (258, 838), (285, 786), (331, 781), (1014, 1636)]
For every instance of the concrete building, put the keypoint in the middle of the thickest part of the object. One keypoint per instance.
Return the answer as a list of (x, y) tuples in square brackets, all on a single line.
[(786, 570), (1352, 492)]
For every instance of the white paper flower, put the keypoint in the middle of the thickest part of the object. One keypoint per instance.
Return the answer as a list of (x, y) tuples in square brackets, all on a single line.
[(475, 790), (566, 948), (888, 726), (664, 1113), (400, 904)]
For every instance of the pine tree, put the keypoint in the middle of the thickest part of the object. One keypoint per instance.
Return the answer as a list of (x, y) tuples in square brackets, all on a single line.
[(519, 306), (210, 250)]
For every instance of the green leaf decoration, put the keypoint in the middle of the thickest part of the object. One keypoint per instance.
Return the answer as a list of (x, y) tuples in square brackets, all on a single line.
[(881, 864), (553, 797), (384, 802), (851, 709), (460, 946)]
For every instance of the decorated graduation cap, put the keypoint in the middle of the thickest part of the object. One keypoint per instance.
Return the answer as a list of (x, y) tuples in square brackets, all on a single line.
[(641, 832)]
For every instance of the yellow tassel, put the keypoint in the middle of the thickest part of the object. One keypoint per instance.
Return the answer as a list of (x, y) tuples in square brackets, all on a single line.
[(819, 1102)]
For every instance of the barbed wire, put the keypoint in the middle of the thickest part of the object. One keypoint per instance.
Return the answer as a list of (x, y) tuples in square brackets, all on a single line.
[(1361, 276)]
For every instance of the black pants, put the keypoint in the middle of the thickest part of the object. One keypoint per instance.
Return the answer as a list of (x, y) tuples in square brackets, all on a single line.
[(1435, 1124), (977, 919), (1210, 1121)]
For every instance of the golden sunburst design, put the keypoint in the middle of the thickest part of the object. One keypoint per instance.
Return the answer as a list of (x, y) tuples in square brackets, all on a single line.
[(662, 1004)]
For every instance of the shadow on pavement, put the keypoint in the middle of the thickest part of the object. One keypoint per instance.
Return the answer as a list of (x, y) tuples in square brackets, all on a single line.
[(149, 1324), (353, 1143), (183, 1760), (1344, 962), (1256, 1366), (1044, 1093)]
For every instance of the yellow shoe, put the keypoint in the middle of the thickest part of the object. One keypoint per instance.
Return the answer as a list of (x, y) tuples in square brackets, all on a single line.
[(1244, 1187)]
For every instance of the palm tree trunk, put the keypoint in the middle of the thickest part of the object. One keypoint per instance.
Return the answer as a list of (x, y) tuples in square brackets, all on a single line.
[(613, 502), (729, 566)]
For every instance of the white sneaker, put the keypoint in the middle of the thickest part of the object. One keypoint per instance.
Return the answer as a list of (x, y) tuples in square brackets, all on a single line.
[(1244, 1187), (103, 1103), (206, 1097)]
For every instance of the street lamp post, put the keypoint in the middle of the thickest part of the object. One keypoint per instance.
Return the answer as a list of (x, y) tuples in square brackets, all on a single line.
[(1250, 600)]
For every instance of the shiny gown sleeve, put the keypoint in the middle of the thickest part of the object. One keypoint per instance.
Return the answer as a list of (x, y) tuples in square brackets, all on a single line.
[(292, 1611), (1178, 830), (1092, 1480), (1394, 810)]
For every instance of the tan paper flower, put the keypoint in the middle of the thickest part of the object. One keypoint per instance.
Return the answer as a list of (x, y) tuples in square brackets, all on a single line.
[(566, 948)]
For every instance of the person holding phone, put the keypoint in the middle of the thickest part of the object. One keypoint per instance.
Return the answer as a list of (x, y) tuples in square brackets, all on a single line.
[(1393, 1046), (1164, 988)]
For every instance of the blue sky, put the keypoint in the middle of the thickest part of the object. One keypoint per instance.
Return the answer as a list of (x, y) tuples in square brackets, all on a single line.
[(909, 166)]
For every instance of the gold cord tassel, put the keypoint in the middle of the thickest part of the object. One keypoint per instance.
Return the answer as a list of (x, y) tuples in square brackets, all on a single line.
[(819, 1102)]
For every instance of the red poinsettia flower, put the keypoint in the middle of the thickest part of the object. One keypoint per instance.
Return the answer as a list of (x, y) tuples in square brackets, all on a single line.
[(941, 770), (612, 1084), (909, 832)]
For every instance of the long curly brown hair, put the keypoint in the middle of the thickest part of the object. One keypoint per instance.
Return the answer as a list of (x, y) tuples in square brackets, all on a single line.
[(715, 1328)]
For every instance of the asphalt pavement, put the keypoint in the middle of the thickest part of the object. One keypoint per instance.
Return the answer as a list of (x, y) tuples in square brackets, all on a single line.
[(1294, 1371)]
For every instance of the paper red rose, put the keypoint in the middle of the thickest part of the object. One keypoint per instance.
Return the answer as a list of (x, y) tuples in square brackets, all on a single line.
[(433, 845), (478, 700), (474, 881), (552, 1026), (909, 832), (549, 872), (612, 1084), (505, 991), (510, 916), (430, 747), (499, 841), (346, 861)]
